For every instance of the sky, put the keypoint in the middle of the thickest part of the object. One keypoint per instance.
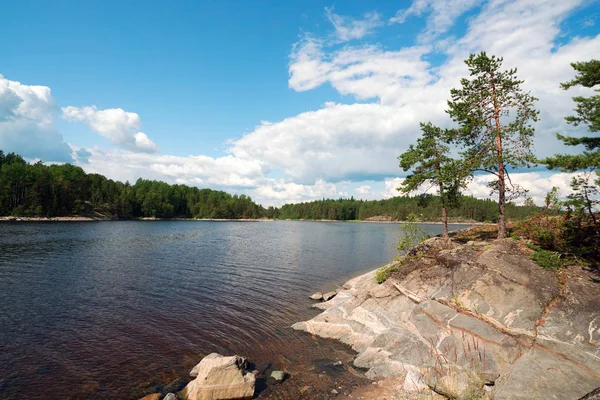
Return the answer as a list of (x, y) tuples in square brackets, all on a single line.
[(283, 101)]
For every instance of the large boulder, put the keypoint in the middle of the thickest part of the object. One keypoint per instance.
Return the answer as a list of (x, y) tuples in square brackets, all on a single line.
[(220, 377)]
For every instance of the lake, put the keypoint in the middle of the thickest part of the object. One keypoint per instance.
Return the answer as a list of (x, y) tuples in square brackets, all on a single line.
[(106, 309)]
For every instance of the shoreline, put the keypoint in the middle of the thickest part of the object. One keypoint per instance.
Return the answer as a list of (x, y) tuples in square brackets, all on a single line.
[(106, 218), (416, 304)]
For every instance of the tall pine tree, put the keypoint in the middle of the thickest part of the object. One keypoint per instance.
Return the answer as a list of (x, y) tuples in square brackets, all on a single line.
[(494, 116)]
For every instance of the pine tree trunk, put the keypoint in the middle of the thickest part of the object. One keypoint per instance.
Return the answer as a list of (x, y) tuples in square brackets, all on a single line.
[(501, 202), (444, 222), (501, 181), (444, 214)]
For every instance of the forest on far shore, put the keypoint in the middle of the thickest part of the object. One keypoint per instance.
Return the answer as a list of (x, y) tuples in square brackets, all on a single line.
[(39, 190)]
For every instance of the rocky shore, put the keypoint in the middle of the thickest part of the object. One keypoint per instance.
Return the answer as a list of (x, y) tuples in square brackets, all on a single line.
[(54, 219), (473, 318)]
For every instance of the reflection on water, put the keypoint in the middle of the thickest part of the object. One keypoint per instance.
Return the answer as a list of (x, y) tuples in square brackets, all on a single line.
[(96, 310)]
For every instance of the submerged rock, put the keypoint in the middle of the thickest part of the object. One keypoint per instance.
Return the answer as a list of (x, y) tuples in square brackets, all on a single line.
[(317, 296), (278, 376), (456, 317), (220, 377)]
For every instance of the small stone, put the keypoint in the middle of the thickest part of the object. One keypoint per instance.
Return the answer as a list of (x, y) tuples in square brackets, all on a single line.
[(170, 396), (330, 295), (153, 396), (333, 391), (279, 376), (335, 364), (304, 389), (317, 296)]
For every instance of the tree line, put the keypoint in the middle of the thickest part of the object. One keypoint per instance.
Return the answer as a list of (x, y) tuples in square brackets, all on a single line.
[(424, 208), (39, 190)]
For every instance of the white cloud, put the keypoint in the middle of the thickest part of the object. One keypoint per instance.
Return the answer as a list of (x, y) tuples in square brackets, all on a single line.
[(391, 187), (363, 190), (348, 28), (442, 15), (26, 116), (365, 72), (278, 192), (338, 142), (117, 125), (200, 171)]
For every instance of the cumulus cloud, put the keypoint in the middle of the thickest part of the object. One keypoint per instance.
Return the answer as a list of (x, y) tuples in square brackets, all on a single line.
[(277, 192), (338, 142), (26, 116), (363, 190), (115, 124), (203, 171), (348, 28), (362, 140)]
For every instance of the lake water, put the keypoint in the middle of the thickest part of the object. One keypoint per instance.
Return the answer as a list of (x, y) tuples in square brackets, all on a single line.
[(102, 309)]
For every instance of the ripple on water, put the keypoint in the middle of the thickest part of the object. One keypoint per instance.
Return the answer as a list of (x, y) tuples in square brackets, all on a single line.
[(100, 310)]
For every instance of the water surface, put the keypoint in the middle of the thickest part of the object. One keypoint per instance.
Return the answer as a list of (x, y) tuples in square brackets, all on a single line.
[(98, 310)]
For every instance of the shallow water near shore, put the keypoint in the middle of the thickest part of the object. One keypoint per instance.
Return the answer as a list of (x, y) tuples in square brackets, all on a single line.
[(116, 309)]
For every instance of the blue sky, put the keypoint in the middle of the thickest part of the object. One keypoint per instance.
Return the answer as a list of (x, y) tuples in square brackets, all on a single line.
[(284, 101)]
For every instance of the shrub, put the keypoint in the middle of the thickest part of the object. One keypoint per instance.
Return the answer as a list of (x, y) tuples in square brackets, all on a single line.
[(411, 234), (549, 260), (383, 273)]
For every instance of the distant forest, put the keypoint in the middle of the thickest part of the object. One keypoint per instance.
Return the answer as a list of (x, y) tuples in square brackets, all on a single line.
[(424, 207), (38, 190)]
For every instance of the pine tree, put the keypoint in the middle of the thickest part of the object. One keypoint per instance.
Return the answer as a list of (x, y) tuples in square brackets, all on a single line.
[(584, 198), (430, 163), (494, 116)]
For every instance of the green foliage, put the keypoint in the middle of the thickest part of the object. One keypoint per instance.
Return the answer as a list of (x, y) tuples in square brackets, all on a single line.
[(588, 108), (543, 229), (584, 200), (587, 113), (431, 164), (568, 234), (495, 119), (59, 190), (383, 273), (551, 200), (410, 234), (549, 260)]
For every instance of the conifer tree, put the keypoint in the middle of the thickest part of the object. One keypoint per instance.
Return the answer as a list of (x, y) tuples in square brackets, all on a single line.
[(431, 163), (494, 115), (587, 113)]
